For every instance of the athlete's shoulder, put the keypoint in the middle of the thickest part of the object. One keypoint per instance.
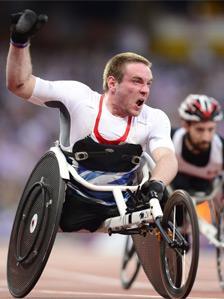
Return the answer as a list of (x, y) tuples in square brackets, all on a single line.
[(219, 136), (64, 85), (173, 131), (69, 92), (218, 139), (177, 131)]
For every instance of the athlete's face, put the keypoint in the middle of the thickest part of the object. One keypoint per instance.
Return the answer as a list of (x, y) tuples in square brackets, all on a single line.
[(133, 91), (201, 134)]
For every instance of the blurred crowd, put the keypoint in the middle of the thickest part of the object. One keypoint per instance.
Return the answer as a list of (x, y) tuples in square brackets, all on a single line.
[(184, 41)]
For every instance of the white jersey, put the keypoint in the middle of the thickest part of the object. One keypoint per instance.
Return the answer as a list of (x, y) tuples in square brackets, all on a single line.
[(79, 109), (214, 165)]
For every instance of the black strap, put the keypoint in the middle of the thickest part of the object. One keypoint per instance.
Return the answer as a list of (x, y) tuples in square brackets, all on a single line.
[(105, 157)]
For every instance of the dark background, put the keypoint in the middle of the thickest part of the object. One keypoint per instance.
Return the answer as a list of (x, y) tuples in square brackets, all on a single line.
[(184, 40)]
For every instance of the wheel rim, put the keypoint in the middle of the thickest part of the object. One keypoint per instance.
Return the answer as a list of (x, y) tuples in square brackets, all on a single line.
[(30, 231), (179, 265), (35, 226)]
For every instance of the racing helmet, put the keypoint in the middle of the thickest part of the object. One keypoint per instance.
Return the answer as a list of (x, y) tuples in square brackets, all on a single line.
[(198, 107)]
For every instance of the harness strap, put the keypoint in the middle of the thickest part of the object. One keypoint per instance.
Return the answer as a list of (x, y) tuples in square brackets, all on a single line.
[(104, 157), (80, 156)]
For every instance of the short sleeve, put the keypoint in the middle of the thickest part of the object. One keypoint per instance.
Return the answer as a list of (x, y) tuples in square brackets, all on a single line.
[(70, 93), (160, 135)]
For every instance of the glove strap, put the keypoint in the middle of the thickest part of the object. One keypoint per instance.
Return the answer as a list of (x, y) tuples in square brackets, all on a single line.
[(153, 194), (19, 45)]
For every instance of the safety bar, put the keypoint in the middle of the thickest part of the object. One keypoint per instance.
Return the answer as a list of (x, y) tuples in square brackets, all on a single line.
[(201, 197), (148, 165), (66, 168), (115, 189), (217, 188)]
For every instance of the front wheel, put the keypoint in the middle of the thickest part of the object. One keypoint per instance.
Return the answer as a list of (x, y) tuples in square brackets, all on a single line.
[(130, 264), (179, 262), (220, 250)]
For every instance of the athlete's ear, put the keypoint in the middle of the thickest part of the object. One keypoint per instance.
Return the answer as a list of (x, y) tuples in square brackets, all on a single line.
[(111, 82), (185, 124)]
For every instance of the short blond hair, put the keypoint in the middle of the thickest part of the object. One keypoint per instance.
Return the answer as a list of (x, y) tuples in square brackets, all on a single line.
[(115, 66)]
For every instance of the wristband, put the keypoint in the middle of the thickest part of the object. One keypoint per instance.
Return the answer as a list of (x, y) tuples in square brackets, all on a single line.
[(19, 45)]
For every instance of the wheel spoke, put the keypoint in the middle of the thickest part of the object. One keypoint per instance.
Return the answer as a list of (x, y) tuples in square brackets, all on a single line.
[(130, 264), (180, 259)]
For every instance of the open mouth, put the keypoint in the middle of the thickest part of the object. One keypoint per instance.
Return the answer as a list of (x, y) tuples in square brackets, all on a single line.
[(140, 103)]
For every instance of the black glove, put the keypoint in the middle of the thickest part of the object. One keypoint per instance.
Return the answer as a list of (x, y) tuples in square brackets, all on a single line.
[(24, 25), (153, 189)]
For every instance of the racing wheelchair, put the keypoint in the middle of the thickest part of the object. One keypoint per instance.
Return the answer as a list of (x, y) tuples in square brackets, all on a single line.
[(158, 235), (211, 228)]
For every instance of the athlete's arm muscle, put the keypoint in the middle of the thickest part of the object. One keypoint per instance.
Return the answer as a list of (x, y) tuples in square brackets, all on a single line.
[(166, 165), (19, 78)]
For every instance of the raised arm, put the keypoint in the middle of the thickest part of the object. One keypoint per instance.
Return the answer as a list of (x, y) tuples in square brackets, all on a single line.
[(19, 78)]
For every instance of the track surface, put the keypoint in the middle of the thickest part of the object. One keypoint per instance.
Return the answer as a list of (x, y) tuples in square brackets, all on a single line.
[(89, 269)]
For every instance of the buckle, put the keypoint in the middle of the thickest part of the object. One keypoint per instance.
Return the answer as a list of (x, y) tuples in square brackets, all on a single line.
[(79, 156), (135, 160)]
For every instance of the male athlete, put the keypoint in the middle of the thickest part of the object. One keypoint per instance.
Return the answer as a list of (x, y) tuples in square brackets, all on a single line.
[(199, 149), (118, 119), (200, 153)]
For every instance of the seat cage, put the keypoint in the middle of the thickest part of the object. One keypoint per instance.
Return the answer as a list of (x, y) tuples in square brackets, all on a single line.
[(209, 230), (124, 221)]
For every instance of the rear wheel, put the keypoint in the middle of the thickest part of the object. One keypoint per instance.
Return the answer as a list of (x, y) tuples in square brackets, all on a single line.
[(130, 264), (220, 250), (179, 262)]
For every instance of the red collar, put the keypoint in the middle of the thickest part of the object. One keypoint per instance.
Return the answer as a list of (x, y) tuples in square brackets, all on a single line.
[(97, 133)]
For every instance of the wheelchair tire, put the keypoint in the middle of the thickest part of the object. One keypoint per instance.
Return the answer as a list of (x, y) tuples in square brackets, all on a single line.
[(35, 226), (130, 264), (179, 264), (220, 250)]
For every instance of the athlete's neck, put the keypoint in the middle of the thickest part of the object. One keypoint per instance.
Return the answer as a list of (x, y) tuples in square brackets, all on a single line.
[(113, 107)]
